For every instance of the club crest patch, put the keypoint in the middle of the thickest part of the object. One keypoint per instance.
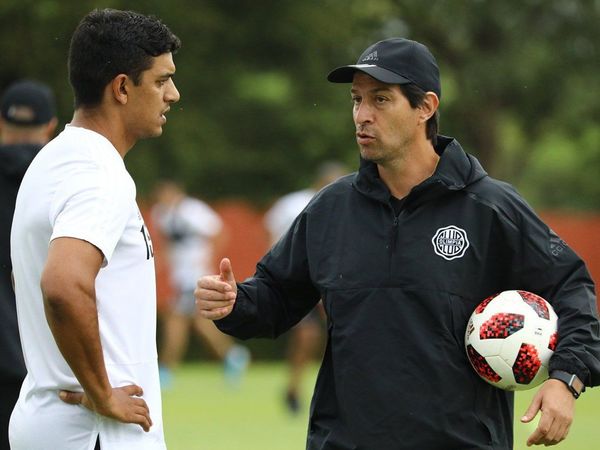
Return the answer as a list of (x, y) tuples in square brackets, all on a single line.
[(450, 242)]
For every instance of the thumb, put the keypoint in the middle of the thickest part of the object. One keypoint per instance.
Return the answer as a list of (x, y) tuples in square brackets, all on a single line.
[(132, 389), (226, 271), (533, 409), (72, 398)]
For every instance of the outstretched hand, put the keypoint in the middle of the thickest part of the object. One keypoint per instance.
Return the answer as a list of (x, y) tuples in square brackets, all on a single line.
[(215, 294), (124, 405), (557, 405)]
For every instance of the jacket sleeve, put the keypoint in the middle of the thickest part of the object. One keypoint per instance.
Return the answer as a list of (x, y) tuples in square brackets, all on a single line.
[(279, 294), (544, 264)]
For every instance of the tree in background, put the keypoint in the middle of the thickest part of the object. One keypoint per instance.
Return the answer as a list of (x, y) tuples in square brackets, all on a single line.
[(256, 114)]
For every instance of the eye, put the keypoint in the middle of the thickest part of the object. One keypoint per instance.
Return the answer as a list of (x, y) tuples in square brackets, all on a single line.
[(356, 99), (380, 99)]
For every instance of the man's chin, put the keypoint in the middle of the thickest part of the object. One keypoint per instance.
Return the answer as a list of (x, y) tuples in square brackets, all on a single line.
[(367, 154), (152, 134)]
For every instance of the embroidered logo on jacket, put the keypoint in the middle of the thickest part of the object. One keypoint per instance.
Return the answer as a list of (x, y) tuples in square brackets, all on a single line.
[(450, 242)]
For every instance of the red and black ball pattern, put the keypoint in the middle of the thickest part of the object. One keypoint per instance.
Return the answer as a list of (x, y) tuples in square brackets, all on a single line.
[(527, 364), (537, 303), (481, 307), (501, 325), (553, 341), (481, 366)]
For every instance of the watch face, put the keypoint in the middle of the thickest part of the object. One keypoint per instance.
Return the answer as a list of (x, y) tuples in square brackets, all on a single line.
[(577, 384), (572, 381)]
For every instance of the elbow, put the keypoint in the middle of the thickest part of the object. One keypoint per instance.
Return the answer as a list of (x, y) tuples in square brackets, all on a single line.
[(58, 293), (52, 294)]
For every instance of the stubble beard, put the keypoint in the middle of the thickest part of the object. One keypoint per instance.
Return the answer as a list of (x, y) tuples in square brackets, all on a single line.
[(374, 155)]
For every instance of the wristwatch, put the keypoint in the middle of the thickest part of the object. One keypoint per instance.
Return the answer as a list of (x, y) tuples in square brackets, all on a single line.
[(572, 381)]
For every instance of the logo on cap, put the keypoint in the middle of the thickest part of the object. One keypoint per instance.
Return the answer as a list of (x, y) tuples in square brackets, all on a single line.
[(371, 57), (20, 113), (450, 242)]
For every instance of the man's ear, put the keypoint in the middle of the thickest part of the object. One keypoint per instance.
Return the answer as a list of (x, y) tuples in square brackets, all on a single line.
[(120, 88), (429, 106)]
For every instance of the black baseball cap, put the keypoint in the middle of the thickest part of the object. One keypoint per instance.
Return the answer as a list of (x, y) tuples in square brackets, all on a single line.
[(395, 61), (27, 102)]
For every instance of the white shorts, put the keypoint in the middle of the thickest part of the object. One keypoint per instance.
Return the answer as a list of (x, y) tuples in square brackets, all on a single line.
[(43, 422)]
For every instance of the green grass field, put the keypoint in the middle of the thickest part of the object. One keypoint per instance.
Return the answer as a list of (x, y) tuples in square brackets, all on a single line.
[(202, 413)]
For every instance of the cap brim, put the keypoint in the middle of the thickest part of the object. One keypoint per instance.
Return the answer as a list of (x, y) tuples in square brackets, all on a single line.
[(345, 74)]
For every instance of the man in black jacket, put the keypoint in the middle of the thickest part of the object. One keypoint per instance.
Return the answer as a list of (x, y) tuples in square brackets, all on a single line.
[(395, 374), (27, 123)]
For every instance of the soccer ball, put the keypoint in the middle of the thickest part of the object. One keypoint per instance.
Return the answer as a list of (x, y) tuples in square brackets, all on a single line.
[(510, 338)]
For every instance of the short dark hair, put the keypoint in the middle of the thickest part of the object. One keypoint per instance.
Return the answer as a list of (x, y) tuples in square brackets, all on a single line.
[(108, 42), (415, 96)]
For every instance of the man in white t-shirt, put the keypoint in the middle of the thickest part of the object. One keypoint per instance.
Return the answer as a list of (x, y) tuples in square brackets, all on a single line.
[(192, 231), (306, 337), (82, 257)]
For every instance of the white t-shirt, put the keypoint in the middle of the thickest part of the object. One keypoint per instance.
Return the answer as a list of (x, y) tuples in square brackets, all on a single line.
[(189, 227), (285, 210), (78, 186)]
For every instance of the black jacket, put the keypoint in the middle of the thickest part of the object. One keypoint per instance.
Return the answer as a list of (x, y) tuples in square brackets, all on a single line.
[(14, 161), (395, 374)]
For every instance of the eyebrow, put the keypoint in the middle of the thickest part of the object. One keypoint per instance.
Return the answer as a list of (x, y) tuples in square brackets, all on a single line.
[(374, 91), (166, 75)]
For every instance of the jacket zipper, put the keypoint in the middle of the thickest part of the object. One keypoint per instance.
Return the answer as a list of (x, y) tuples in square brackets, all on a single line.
[(392, 244)]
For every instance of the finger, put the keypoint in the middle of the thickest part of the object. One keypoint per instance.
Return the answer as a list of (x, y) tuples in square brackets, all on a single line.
[(143, 415), (214, 295), (141, 406), (540, 434), (143, 421), (226, 271), (211, 305), (72, 398), (213, 283), (552, 437), (216, 314), (560, 434), (566, 432), (533, 409), (132, 390)]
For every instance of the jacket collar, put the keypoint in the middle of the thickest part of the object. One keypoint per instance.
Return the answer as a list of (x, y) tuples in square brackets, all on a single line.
[(455, 170)]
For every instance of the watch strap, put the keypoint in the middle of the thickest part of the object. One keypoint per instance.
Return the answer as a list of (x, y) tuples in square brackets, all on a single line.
[(574, 384)]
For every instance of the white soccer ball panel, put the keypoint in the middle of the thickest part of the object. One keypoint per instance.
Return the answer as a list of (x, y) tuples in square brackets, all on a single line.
[(510, 339)]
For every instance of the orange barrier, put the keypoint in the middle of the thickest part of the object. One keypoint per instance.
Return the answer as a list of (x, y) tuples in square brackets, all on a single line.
[(246, 241), (580, 231)]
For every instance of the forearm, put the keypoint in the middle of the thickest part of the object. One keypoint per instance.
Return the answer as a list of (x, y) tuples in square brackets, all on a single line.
[(261, 310), (578, 349), (73, 320)]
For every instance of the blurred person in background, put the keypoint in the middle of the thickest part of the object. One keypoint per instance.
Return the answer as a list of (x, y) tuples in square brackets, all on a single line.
[(306, 337), (27, 122), (82, 257), (401, 252), (192, 231)]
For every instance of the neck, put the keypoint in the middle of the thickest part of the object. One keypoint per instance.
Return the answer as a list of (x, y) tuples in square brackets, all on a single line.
[(31, 134), (105, 123), (26, 137), (414, 167)]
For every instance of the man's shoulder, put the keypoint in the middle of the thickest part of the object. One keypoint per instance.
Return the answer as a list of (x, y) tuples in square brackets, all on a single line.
[(500, 196), (330, 196), (493, 190)]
